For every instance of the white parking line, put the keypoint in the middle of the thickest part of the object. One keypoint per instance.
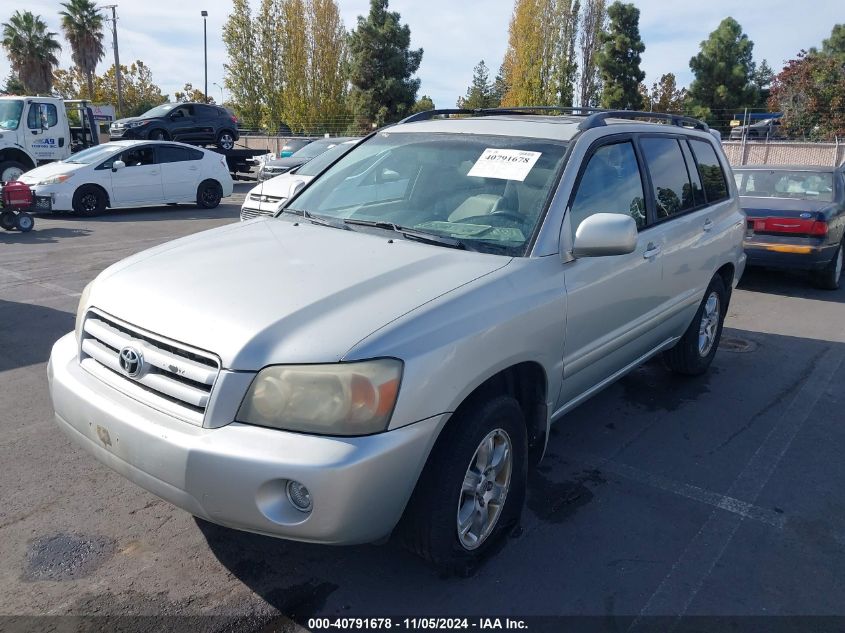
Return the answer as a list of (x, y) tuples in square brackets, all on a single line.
[(682, 583)]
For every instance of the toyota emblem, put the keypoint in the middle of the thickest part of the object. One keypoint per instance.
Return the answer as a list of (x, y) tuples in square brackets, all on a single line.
[(131, 361)]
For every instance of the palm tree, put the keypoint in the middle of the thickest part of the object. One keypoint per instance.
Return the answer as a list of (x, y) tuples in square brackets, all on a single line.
[(83, 27), (32, 50)]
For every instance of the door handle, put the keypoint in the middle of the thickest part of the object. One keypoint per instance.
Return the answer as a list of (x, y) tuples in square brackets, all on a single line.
[(192, 168), (154, 173), (708, 224), (651, 250)]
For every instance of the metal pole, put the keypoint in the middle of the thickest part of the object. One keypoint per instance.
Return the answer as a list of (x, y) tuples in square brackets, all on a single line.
[(118, 77), (205, 50)]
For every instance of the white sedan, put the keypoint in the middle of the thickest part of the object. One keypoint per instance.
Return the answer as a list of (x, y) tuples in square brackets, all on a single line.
[(271, 195), (131, 174)]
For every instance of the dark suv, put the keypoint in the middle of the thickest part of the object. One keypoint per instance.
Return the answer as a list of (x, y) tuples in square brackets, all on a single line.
[(196, 123)]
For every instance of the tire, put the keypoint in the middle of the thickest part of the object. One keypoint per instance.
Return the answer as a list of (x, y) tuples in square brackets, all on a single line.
[(431, 525), (693, 354), (11, 170), (226, 139), (25, 222), (158, 135), (8, 220), (89, 201), (829, 277), (209, 194)]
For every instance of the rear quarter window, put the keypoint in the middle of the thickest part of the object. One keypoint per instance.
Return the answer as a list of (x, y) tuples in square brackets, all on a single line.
[(712, 176), (673, 192)]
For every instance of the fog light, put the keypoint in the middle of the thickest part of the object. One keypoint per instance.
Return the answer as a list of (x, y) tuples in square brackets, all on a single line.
[(299, 496)]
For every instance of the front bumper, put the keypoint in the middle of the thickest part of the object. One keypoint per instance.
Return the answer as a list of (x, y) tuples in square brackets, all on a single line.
[(788, 253), (236, 475), (53, 198)]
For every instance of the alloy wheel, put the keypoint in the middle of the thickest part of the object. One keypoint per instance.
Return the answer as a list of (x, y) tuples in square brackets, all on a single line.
[(709, 324), (484, 489)]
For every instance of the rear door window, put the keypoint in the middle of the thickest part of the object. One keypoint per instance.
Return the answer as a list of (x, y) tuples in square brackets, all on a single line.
[(673, 192), (712, 176), (174, 154)]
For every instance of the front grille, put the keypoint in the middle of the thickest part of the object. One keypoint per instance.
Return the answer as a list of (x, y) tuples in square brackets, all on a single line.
[(262, 197), (249, 214), (173, 379)]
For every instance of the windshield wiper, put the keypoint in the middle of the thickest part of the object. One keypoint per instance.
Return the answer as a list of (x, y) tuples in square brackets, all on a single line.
[(316, 219), (411, 234)]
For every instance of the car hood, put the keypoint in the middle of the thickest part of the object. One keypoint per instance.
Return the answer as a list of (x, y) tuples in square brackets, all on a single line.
[(290, 162), (123, 122), (273, 291), (279, 186), (38, 174)]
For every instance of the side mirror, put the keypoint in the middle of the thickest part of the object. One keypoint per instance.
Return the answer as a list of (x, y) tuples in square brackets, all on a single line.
[(118, 164), (605, 234)]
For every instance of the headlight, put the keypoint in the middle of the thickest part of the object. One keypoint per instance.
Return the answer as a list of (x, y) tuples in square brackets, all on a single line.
[(136, 123), (80, 310), (337, 399), (55, 180)]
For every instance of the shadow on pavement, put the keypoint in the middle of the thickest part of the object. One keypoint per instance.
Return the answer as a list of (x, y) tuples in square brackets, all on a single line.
[(28, 332), (788, 283), (41, 236)]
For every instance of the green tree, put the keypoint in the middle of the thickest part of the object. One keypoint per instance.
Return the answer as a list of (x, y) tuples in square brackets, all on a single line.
[(32, 51), (13, 85), (295, 64), (619, 58), (328, 64), (810, 91), (269, 31), (835, 44), (761, 79), (381, 66), (566, 64), (423, 104), (665, 96), (243, 77), (83, 27), (189, 94), (724, 72), (594, 17), (481, 92)]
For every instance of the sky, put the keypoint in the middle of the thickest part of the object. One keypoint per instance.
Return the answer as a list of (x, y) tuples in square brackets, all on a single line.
[(455, 35)]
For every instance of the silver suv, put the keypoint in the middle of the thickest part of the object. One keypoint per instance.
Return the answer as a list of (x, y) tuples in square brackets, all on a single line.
[(389, 350)]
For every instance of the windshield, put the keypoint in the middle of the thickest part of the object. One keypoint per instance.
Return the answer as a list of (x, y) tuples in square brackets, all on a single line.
[(161, 110), (488, 192), (10, 113), (318, 164), (93, 154), (782, 183), (314, 149)]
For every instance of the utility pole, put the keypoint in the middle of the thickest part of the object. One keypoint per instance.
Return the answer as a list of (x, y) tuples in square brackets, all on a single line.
[(119, 79), (205, 50)]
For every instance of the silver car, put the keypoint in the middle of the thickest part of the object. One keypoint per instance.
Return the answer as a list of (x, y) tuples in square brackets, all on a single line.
[(389, 351)]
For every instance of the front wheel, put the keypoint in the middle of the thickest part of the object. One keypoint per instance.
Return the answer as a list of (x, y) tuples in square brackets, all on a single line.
[(11, 170), (829, 277), (158, 135), (89, 201), (472, 489), (8, 220), (209, 194), (25, 222), (694, 352)]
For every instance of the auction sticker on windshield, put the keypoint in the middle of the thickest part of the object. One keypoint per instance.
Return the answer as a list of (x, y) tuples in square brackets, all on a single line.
[(507, 164)]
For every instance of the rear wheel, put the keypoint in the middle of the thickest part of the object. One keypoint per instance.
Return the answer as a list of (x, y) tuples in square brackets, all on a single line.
[(225, 140), (471, 492), (829, 277), (209, 194), (694, 352), (8, 220), (89, 201)]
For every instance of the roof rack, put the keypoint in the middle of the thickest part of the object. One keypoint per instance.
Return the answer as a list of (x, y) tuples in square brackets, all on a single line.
[(594, 117)]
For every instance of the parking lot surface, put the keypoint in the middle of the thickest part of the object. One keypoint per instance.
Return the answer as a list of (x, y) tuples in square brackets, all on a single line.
[(670, 496)]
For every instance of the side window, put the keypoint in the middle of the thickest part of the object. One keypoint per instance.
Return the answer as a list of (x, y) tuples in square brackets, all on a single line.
[(611, 183), (138, 157), (174, 154), (36, 119), (695, 178), (673, 191), (712, 176)]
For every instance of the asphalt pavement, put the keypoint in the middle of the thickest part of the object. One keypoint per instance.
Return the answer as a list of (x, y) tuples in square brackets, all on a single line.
[(662, 496)]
